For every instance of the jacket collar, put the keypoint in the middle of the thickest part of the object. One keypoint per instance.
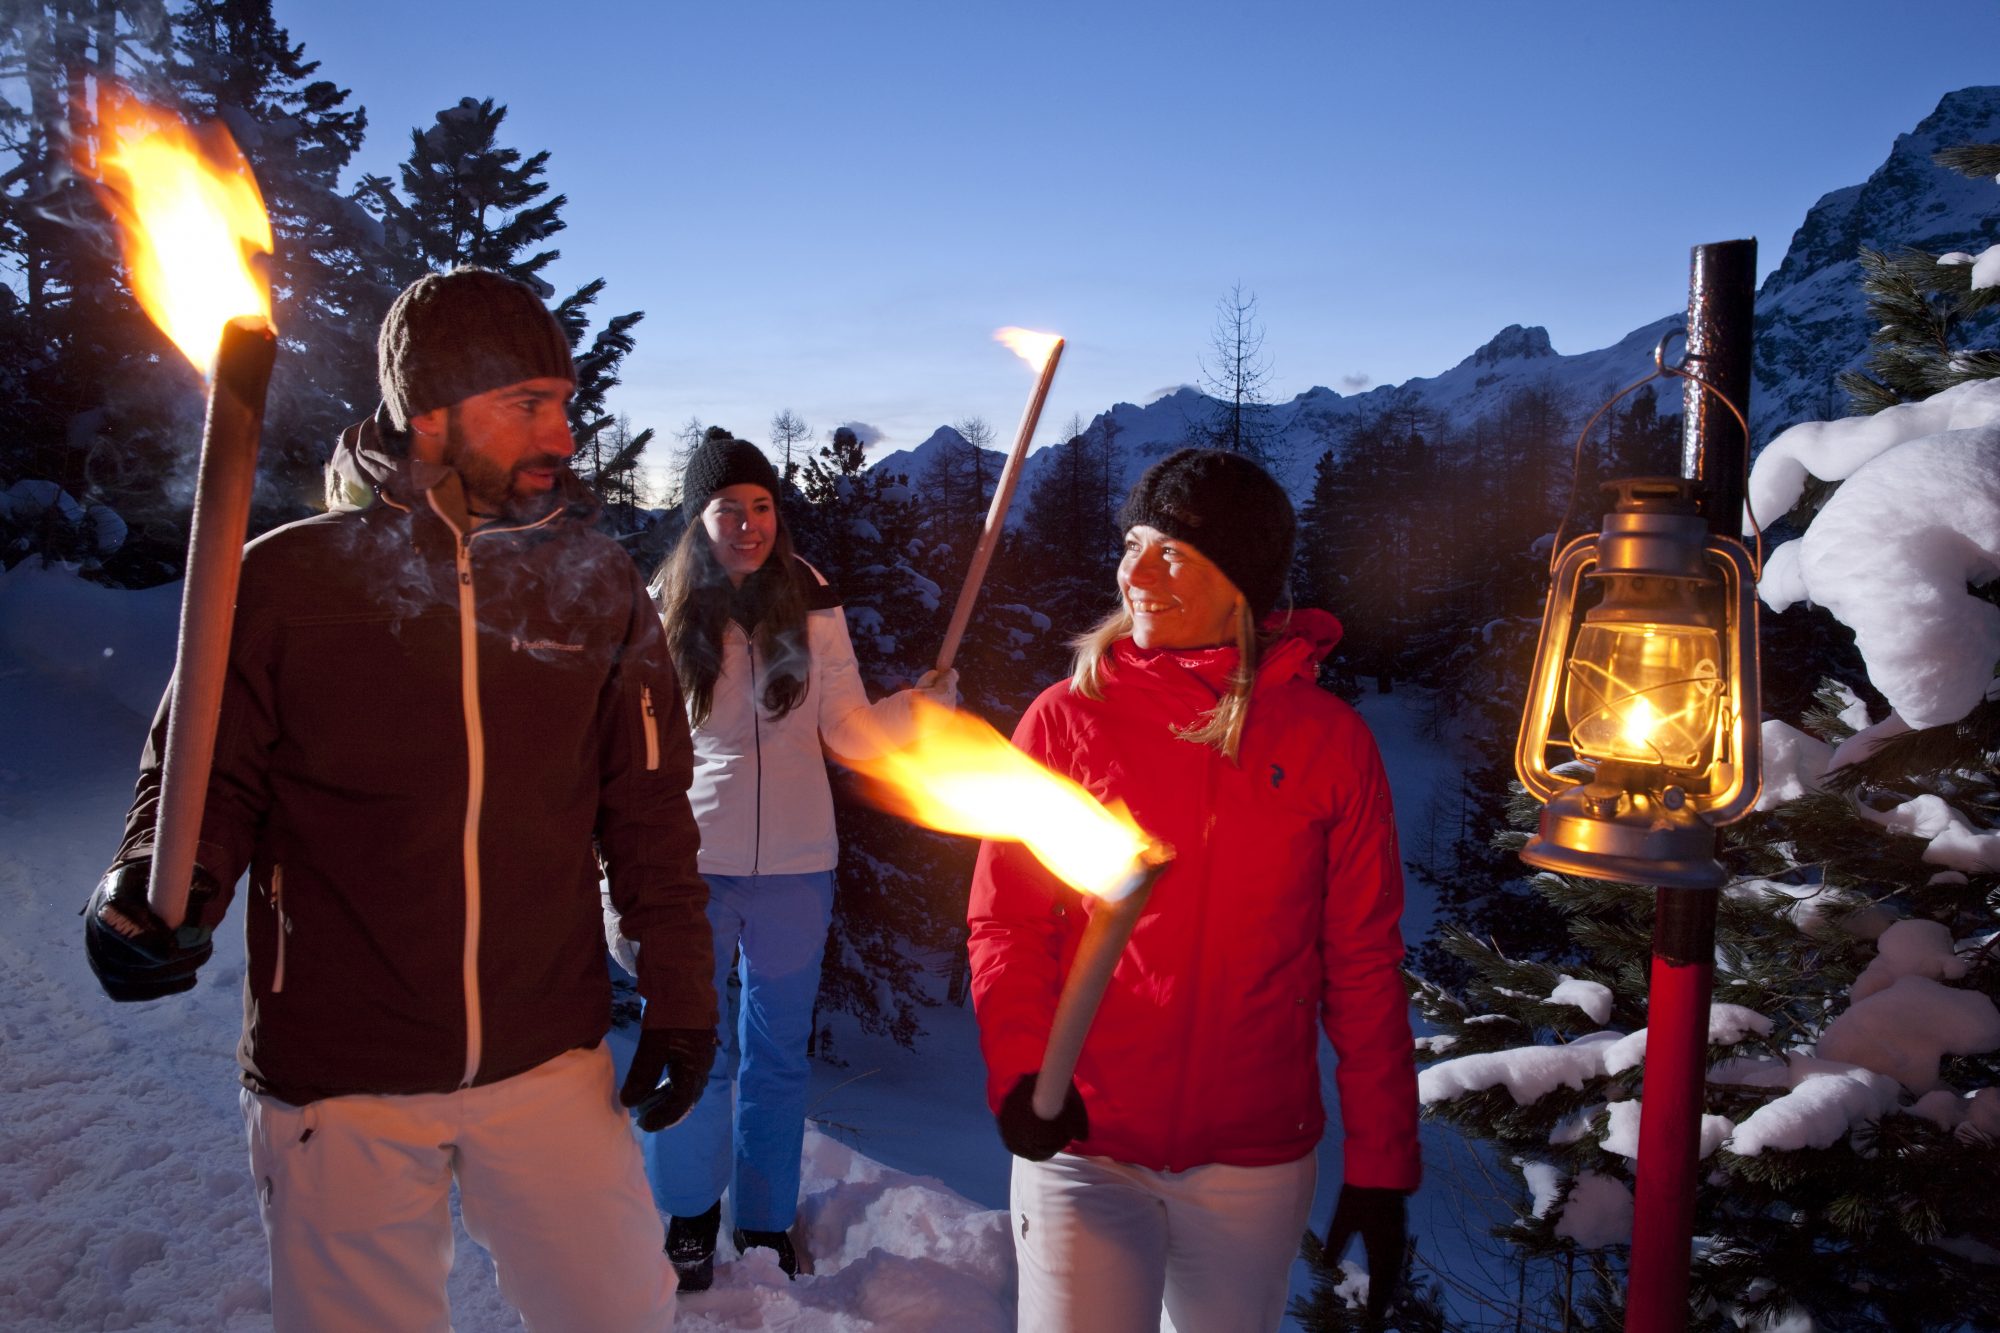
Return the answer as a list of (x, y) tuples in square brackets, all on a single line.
[(371, 464), (1304, 637)]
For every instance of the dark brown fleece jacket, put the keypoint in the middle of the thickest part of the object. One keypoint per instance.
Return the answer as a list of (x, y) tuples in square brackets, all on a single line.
[(429, 738)]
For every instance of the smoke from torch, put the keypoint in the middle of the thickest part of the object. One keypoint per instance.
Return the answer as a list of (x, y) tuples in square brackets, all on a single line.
[(192, 224)]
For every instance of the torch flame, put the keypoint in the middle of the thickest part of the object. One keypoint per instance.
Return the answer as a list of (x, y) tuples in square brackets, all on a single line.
[(1032, 347), (189, 217), (961, 776)]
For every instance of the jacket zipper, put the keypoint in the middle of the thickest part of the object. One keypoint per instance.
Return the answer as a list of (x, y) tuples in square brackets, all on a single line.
[(278, 906), (652, 728), (475, 791), (1206, 890), (475, 772), (757, 760)]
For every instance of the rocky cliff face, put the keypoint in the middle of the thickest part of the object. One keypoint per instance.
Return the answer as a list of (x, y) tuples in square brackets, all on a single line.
[(1811, 317)]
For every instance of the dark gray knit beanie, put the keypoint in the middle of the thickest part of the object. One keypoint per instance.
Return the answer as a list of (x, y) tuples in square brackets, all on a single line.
[(1226, 507), (452, 335), (723, 460)]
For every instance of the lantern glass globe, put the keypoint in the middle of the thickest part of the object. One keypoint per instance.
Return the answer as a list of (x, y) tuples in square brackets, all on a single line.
[(1644, 693)]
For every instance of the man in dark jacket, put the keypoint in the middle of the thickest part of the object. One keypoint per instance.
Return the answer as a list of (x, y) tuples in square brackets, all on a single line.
[(449, 705)]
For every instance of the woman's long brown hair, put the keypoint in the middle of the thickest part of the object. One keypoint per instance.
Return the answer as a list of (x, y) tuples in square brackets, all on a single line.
[(695, 598)]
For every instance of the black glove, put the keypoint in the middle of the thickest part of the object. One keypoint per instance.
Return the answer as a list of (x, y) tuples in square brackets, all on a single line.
[(1380, 1215), (684, 1056), (133, 953), (1027, 1135)]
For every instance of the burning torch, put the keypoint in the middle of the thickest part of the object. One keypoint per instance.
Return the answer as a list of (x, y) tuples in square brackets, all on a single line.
[(190, 219), (961, 776), (1043, 351)]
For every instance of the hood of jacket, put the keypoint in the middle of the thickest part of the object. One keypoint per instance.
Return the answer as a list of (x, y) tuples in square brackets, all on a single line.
[(371, 464)]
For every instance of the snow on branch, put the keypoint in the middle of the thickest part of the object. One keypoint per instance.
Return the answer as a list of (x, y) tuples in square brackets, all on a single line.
[(1916, 520), (1528, 1073)]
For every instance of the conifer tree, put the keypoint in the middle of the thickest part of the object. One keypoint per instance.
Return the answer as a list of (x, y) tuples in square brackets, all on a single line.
[(234, 63), (110, 413), (1237, 375), (467, 198), (899, 891), (1071, 542), (1926, 311), (92, 402)]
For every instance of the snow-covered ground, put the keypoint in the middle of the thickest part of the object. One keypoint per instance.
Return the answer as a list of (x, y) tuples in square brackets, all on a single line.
[(125, 1202)]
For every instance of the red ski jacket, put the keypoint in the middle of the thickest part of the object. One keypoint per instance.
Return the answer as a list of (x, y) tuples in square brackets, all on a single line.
[(1280, 913)]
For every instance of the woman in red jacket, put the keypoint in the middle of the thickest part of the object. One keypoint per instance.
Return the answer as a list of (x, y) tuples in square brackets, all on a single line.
[(1181, 1171)]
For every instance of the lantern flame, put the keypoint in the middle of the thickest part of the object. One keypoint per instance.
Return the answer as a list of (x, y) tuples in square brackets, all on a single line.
[(1032, 347), (1640, 720), (190, 217), (961, 776)]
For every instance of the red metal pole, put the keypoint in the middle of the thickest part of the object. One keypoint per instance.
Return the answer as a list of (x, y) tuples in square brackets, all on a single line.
[(1656, 1298), (1722, 294)]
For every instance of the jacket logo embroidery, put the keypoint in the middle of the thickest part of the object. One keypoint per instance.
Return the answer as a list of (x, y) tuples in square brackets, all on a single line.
[(1277, 776), (521, 645)]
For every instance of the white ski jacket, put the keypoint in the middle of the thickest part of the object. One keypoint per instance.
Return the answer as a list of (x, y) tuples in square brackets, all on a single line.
[(760, 791)]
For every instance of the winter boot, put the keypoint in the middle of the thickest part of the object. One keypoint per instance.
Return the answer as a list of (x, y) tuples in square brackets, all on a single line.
[(691, 1247), (788, 1259)]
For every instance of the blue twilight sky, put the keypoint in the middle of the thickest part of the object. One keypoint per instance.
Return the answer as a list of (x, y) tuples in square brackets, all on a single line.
[(831, 206)]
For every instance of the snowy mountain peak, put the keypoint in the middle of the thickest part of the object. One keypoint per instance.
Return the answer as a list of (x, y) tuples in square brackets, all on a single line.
[(1811, 315), (1811, 324), (943, 444), (1908, 201), (1513, 343)]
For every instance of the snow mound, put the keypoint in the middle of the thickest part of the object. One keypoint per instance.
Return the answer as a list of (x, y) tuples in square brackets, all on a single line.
[(1793, 762), (1597, 1212), (1916, 520), (1905, 1029)]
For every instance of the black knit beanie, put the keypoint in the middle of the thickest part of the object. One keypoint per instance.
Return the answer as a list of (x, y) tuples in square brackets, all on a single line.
[(1226, 507), (452, 335), (722, 460)]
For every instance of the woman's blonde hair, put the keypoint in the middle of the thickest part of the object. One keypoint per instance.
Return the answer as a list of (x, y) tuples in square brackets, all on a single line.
[(1222, 725)]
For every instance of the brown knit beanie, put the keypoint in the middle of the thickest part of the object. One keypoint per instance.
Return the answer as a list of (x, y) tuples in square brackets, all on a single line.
[(452, 335), (1226, 507)]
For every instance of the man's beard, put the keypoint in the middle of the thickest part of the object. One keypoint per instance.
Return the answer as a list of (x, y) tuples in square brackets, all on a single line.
[(489, 488)]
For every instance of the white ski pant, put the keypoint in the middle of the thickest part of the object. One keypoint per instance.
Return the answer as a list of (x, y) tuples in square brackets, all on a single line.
[(356, 1199), (1102, 1246)]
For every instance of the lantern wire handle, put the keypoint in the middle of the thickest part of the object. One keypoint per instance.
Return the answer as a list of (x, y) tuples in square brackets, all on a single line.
[(1576, 459), (1661, 370)]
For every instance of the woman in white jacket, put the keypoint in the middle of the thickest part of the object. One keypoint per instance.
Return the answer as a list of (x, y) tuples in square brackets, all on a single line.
[(768, 674)]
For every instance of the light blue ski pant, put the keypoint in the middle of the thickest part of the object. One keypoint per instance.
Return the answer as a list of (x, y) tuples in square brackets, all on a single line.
[(772, 930)]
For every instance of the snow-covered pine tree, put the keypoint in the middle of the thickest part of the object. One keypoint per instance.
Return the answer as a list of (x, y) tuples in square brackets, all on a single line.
[(96, 396), (1853, 1131)]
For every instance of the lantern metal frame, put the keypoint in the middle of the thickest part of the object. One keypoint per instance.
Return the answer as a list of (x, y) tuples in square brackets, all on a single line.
[(1636, 822)]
